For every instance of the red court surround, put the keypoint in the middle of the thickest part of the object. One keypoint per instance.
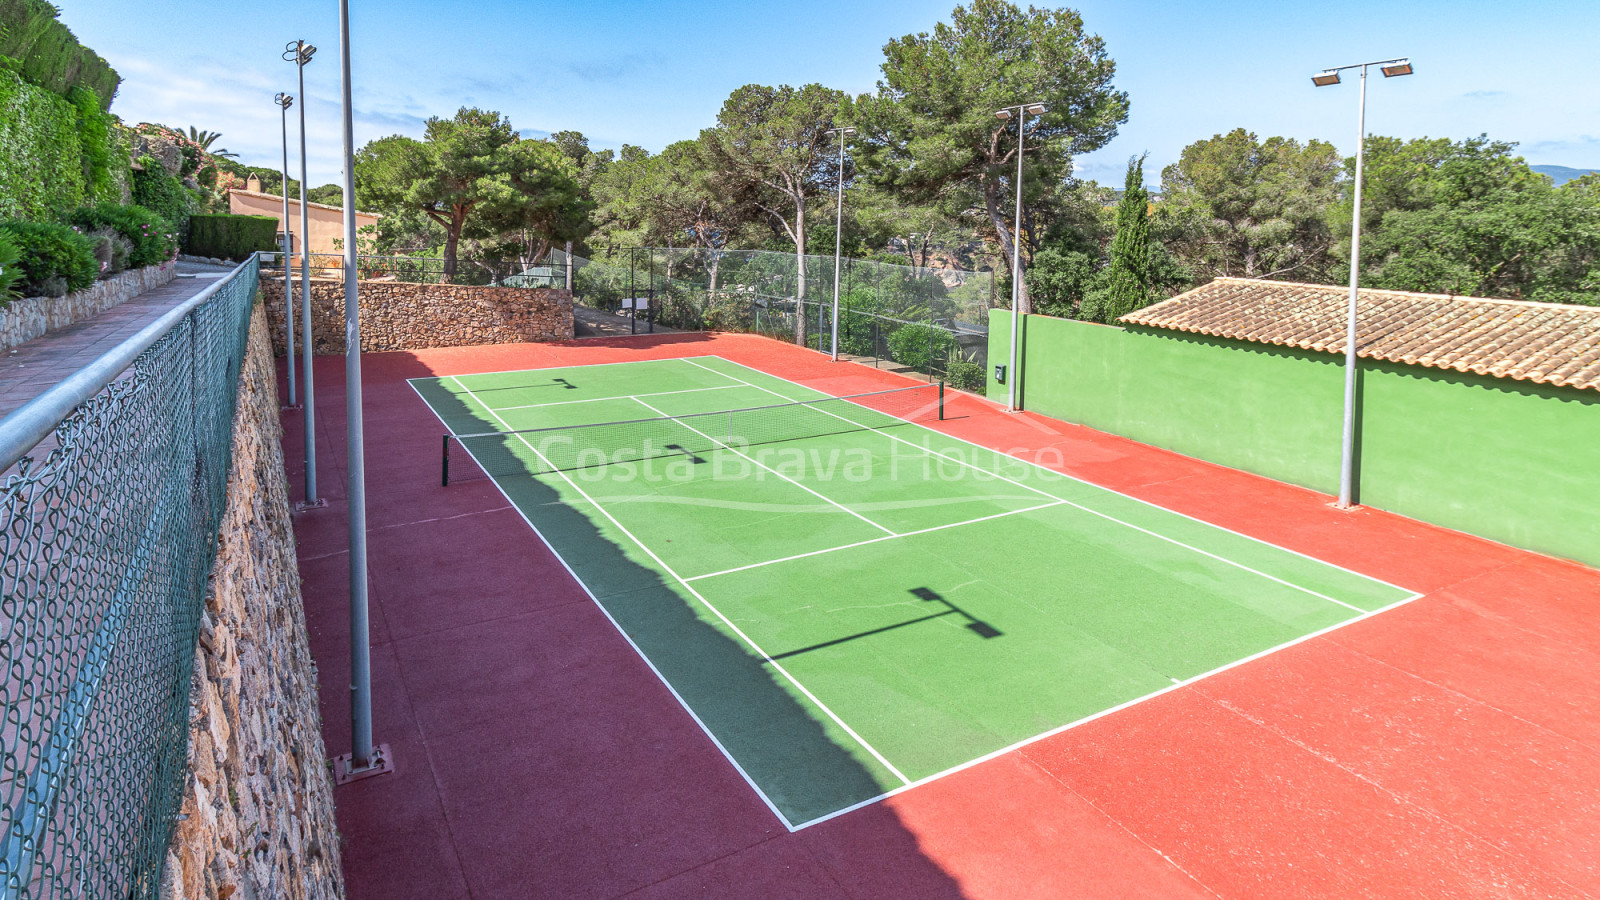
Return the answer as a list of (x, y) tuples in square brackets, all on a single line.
[(1448, 748)]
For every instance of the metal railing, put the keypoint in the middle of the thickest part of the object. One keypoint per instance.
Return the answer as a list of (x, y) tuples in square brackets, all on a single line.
[(114, 489)]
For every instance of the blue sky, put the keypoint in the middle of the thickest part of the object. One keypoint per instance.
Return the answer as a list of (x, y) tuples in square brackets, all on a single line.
[(650, 73)]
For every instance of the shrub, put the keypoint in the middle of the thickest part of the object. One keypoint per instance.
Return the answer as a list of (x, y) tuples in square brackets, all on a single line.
[(55, 259), (151, 239), (41, 154), (116, 251), (163, 195), (232, 237), (918, 345), (966, 375), (45, 52), (10, 271)]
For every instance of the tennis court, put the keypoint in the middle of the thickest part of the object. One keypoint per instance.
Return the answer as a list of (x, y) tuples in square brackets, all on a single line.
[(848, 600)]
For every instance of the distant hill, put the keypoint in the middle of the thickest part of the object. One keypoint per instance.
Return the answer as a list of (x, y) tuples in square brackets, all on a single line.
[(1561, 174)]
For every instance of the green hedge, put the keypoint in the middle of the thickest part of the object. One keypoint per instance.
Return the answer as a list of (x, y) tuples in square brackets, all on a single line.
[(231, 237), (44, 52), (41, 156), (10, 270), (162, 194), (55, 259), (152, 238)]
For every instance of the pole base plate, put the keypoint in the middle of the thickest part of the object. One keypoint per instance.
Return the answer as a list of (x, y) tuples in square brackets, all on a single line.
[(295, 407), (302, 506), (382, 762)]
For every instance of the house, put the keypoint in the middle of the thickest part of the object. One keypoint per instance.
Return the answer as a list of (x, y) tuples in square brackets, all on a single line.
[(326, 222)]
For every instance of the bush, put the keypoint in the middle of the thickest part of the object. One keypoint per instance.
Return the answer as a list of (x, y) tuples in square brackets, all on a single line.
[(966, 375), (232, 237), (911, 345), (41, 153), (55, 260), (151, 239), (10, 271), (45, 52), (163, 195)]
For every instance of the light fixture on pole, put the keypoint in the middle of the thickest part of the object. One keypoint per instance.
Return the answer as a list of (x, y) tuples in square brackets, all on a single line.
[(366, 758), (838, 235), (300, 53), (285, 101), (1347, 449), (1021, 111)]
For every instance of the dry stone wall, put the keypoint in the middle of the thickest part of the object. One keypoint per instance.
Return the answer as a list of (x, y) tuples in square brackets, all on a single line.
[(399, 315), (25, 319), (257, 817)]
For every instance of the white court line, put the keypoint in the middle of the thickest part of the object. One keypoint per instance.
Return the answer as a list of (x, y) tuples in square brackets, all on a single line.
[(1102, 713), (908, 784), (625, 362), (618, 626), (1069, 477), (1094, 512), (763, 465), (720, 387), (825, 550), (718, 613)]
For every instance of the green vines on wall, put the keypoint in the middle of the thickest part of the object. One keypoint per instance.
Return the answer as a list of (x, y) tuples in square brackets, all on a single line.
[(56, 154)]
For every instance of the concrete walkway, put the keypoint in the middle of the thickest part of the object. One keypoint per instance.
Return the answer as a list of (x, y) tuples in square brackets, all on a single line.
[(28, 370), (588, 322)]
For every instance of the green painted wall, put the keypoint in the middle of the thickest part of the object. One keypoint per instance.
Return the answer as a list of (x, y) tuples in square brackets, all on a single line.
[(1505, 459)]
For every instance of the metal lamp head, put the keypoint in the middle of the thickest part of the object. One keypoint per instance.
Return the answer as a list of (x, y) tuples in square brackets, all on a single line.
[(1398, 67), (1037, 109), (298, 52), (1324, 79), (1002, 114), (284, 100)]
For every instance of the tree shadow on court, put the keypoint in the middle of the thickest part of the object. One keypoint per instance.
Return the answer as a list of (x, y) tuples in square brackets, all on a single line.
[(805, 765)]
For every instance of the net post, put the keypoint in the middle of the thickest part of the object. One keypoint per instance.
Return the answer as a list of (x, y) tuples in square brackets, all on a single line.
[(444, 470), (941, 399)]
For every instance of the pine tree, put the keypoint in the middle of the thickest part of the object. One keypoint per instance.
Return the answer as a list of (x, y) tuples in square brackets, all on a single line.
[(1127, 279)]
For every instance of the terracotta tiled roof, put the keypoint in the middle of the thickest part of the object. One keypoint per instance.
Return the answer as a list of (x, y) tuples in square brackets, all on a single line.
[(1547, 343)]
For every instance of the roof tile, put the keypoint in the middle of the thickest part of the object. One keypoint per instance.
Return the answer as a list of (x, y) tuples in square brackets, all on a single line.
[(1545, 343)]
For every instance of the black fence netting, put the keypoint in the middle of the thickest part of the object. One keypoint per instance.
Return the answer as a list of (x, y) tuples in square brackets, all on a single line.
[(932, 321), (108, 531)]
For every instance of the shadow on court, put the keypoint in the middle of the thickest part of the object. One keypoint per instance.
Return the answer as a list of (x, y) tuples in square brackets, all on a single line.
[(780, 743)]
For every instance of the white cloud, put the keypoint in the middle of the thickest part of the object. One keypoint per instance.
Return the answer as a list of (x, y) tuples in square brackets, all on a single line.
[(237, 101)]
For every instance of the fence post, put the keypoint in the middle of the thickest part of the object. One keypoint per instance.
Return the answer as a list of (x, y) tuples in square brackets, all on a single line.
[(444, 477)]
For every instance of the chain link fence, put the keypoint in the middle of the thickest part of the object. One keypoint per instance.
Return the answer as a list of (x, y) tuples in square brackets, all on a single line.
[(926, 320), (108, 530)]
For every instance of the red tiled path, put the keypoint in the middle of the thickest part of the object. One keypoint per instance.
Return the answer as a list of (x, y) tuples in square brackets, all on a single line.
[(1449, 748)]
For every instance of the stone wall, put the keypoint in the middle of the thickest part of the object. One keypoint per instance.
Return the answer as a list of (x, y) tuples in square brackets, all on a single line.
[(25, 319), (404, 316), (257, 817)]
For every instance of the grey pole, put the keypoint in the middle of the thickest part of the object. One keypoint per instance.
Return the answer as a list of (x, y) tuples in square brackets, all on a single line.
[(838, 236), (284, 102), (366, 758), (1022, 112), (302, 55), (1347, 449)]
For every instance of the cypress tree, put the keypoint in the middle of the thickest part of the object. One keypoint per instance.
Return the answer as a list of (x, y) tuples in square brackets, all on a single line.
[(1127, 284)]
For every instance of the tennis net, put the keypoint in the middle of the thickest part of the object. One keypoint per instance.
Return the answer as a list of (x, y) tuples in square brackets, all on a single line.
[(542, 451)]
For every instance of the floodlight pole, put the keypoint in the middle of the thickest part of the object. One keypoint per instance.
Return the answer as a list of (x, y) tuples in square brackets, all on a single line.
[(284, 101), (838, 236), (1352, 362), (299, 52), (1022, 111), (366, 758)]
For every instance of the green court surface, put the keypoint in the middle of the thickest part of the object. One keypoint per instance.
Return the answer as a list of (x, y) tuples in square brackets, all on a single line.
[(849, 602)]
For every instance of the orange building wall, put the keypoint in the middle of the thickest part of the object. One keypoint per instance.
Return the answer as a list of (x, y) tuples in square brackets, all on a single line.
[(327, 222)]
